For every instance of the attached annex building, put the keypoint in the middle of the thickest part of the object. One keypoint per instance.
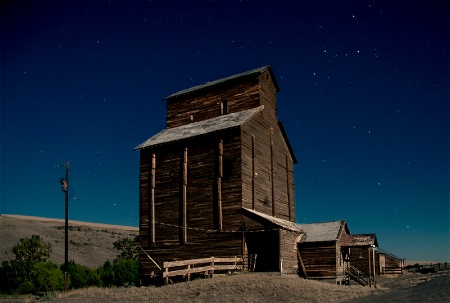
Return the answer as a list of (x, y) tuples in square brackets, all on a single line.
[(219, 180)]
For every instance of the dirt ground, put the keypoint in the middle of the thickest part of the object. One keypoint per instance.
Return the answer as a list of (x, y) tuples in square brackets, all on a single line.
[(268, 287)]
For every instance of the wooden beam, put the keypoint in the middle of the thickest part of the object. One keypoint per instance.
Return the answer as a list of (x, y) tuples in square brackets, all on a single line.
[(288, 188), (253, 172), (152, 200), (219, 186), (302, 266), (184, 215), (271, 170)]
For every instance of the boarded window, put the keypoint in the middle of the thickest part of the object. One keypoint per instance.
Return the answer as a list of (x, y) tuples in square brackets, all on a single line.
[(224, 107)]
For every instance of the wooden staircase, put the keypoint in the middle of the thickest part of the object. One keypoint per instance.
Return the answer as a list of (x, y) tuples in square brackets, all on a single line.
[(357, 275)]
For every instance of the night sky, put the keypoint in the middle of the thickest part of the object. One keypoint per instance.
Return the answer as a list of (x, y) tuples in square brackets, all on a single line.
[(364, 100)]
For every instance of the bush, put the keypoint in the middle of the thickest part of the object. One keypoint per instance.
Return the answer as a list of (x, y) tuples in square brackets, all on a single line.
[(24, 277), (106, 273), (126, 272), (427, 270), (16, 277), (81, 276), (47, 277)]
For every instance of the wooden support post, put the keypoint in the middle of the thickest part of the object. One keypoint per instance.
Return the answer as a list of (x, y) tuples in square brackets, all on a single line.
[(166, 279), (302, 266), (184, 215), (152, 200), (253, 172), (288, 188), (370, 269), (189, 273), (374, 265), (219, 186), (271, 170)]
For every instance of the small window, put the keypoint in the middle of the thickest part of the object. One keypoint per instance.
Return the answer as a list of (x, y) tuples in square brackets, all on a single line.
[(192, 118), (224, 107)]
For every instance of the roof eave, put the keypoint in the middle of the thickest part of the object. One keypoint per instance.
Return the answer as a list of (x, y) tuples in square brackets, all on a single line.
[(221, 81)]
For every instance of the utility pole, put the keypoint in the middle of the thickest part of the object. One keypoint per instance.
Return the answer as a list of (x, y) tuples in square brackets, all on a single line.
[(65, 189)]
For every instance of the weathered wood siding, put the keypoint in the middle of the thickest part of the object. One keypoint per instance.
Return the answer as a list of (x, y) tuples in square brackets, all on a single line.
[(197, 236), (208, 105), (319, 258), (392, 262), (239, 95), (359, 258), (267, 169), (288, 251)]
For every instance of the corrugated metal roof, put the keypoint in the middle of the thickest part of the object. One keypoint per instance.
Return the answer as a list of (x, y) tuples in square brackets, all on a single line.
[(223, 80), (200, 128), (323, 231), (277, 221)]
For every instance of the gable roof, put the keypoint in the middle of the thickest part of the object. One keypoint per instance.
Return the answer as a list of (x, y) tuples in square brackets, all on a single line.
[(225, 80), (323, 231), (284, 224), (200, 128)]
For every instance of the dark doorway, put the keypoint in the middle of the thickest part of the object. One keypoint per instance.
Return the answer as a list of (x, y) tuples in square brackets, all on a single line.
[(266, 245)]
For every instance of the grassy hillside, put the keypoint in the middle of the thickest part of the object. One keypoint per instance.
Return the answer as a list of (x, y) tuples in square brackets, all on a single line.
[(90, 244)]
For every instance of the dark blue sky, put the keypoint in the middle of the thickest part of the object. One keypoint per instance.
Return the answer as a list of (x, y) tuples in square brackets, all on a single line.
[(364, 99)]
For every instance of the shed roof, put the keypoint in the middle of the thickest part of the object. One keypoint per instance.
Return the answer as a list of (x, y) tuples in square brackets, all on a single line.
[(200, 128), (225, 80), (387, 253), (361, 240), (323, 231), (284, 224)]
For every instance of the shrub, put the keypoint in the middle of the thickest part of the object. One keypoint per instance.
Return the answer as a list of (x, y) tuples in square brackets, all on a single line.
[(106, 273), (47, 277), (81, 276), (427, 270), (126, 272), (16, 277)]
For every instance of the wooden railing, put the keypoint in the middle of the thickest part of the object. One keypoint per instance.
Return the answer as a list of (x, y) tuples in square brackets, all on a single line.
[(393, 270), (205, 265), (357, 275)]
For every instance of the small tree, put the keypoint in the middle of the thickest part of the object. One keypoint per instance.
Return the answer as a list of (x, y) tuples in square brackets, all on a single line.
[(32, 250), (129, 248), (29, 272)]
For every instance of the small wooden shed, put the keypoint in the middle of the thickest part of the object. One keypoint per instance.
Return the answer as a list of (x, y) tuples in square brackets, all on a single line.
[(389, 263), (322, 250), (219, 180), (363, 256)]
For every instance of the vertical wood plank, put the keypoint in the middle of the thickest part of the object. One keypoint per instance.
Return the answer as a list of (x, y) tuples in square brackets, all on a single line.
[(184, 215), (152, 200), (271, 170), (288, 192), (253, 172), (219, 186)]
